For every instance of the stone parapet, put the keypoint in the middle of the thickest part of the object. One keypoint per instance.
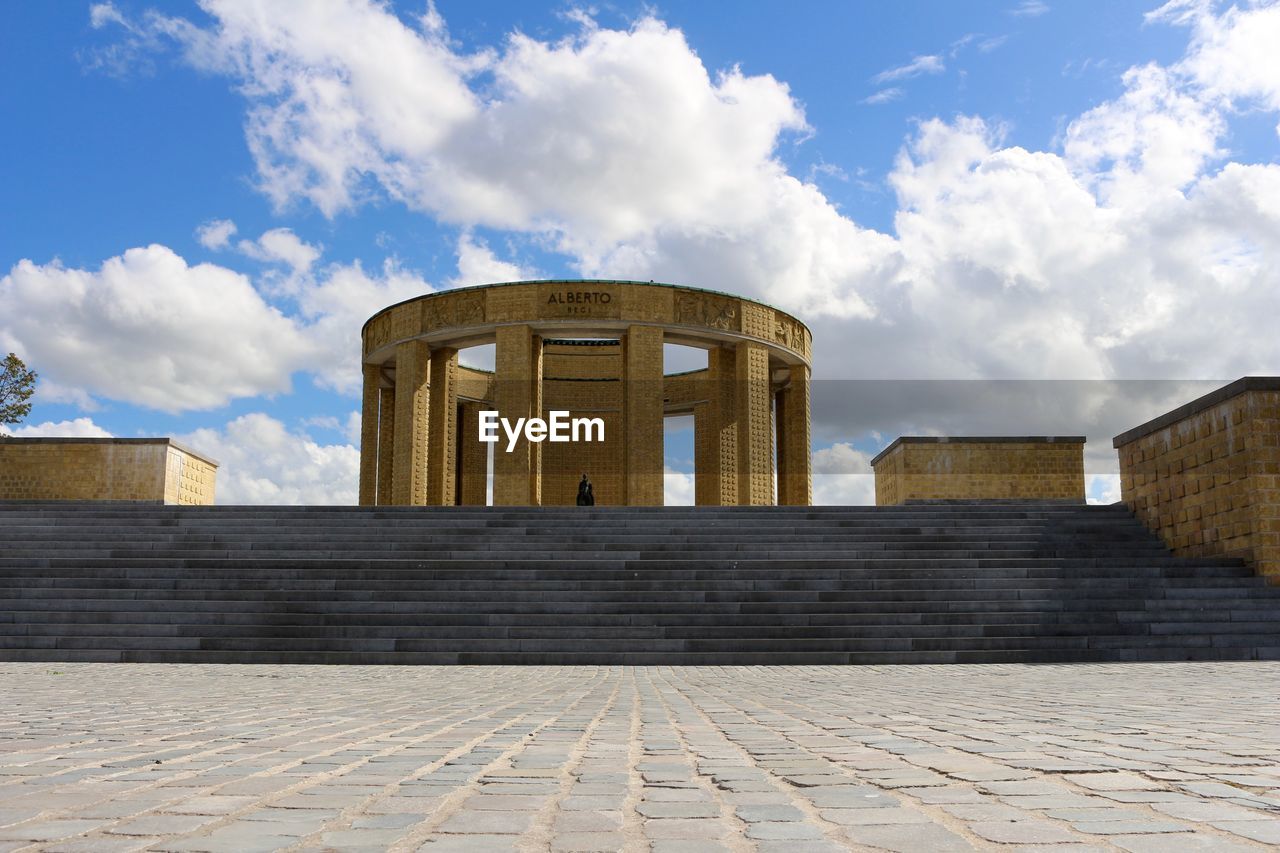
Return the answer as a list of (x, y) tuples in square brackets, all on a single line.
[(158, 470), (1206, 476), (980, 468)]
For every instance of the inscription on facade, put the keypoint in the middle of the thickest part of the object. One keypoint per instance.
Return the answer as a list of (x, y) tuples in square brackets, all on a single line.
[(588, 302)]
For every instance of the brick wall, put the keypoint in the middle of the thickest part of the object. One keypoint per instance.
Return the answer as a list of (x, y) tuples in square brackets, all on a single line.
[(977, 468), (1206, 477), (106, 469)]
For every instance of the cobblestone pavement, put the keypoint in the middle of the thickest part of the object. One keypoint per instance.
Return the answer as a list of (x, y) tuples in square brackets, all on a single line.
[(1137, 757)]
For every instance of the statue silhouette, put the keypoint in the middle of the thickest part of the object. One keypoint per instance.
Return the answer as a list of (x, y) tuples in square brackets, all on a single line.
[(585, 496)]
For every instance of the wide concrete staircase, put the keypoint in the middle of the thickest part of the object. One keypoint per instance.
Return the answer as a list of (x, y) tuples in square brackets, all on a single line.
[(923, 583)]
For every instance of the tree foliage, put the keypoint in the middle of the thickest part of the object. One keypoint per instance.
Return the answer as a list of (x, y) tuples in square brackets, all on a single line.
[(17, 384)]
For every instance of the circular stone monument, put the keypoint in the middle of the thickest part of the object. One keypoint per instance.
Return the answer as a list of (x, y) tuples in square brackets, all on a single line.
[(592, 349)]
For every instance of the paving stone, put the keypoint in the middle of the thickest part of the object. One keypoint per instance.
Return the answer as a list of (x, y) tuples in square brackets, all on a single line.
[(1181, 843), (1129, 827), (874, 817), (588, 822), (783, 831), (589, 842), (470, 844), (486, 822), (664, 810), (909, 838), (685, 828), (1021, 832), (48, 830), (768, 813), (864, 745), (849, 797), (1264, 831), (160, 824), (685, 846)]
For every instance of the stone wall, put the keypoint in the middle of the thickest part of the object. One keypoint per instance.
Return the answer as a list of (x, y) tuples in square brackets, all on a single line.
[(105, 469), (1206, 476), (980, 468), (585, 379)]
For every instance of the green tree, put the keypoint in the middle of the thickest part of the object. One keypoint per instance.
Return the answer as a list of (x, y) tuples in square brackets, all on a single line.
[(17, 384)]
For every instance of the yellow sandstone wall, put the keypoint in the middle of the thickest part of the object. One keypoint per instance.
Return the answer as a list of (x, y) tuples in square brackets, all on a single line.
[(584, 379), (980, 468), (1206, 477), (104, 469)]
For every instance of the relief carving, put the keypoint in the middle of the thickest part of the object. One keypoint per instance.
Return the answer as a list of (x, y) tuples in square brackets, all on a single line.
[(470, 309), (702, 309), (789, 333), (435, 314)]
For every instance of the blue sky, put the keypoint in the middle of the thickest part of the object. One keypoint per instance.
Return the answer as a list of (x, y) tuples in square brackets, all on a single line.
[(204, 197)]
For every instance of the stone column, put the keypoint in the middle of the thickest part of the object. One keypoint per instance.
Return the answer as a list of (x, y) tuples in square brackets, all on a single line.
[(535, 410), (409, 480), (473, 456), (716, 484), (755, 425), (369, 435), (795, 475), (518, 383), (779, 443), (442, 414), (642, 415), (706, 487), (386, 443)]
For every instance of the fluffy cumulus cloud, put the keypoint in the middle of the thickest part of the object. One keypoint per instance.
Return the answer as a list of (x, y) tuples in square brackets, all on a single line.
[(147, 327), (260, 461), (477, 264), (1073, 262), (77, 428), (842, 477), (1005, 262)]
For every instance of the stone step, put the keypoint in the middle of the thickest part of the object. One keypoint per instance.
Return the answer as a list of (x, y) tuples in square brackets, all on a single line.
[(920, 583)]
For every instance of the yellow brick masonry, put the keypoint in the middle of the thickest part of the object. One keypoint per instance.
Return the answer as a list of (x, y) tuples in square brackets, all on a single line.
[(1206, 477), (603, 358), (107, 469), (977, 468)]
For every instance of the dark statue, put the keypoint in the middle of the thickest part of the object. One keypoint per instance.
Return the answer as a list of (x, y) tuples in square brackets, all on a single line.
[(586, 497)]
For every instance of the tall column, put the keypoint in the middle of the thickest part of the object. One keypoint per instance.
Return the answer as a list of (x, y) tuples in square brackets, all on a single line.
[(386, 443), (369, 435), (473, 457), (642, 415), (535, 410), (706, 486), (408, 480), (442, 414), (755, 426), (718, 481), (795, 474), (518, 383), (779, 443)]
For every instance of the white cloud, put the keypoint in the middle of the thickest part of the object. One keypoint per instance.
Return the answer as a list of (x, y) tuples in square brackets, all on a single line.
[(1006, 262), (842, 476), (77, 428), (281, 245), (336, 307), (261, 462), (677, 487), (148, 328), (216, 234), (1102, 488), (884, 96), (1232, 56), (477, 264), (928, 64), (1030, 9)]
